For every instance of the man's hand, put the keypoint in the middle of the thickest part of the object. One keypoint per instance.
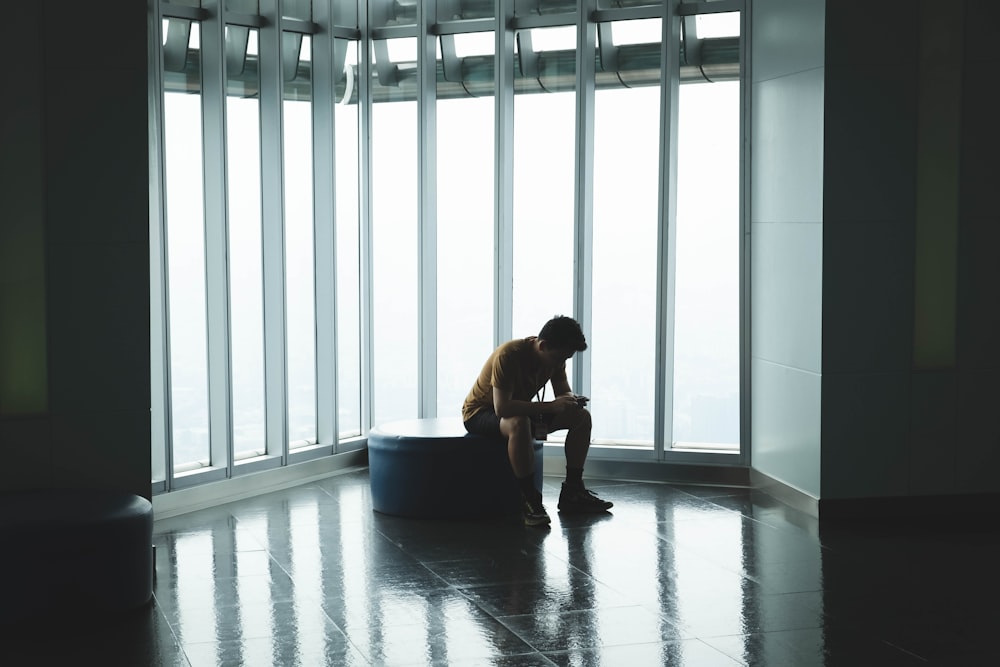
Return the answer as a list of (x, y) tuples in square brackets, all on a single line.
[(566, 402)]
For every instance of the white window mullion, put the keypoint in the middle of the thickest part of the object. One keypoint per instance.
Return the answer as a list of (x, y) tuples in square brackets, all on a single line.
[(427, 342), (745, 125), (365, 214), (216, 235), (504, 169), (162, 455), (272, 212), (324, 215), (667, 214), (586, 45)]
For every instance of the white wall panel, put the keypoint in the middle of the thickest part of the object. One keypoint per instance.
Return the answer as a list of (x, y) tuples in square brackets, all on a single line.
[(786, 425)]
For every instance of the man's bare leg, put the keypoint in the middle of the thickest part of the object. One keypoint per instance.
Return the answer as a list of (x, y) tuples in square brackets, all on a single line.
[(520, 445), (574, 496), (521, 452), (579, 427)]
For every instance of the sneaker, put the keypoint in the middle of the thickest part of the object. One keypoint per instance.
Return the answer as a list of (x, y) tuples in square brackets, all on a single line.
[(534, 512), (581, 501)]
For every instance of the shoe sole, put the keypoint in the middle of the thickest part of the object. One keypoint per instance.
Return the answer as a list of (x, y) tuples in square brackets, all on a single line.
[(584, 510), (534, 523)]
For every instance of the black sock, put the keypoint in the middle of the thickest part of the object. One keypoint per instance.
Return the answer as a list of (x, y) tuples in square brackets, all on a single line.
[(527, 486), (574, 477)]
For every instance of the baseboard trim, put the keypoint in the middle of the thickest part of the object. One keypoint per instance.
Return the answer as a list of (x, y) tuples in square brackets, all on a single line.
[(645, 471), (784, 493), (956, 507), (203, 496)]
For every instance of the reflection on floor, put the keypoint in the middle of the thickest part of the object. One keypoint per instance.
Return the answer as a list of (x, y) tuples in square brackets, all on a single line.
[(677, 575)]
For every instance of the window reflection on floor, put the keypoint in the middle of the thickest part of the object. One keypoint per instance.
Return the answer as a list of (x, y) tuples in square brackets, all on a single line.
[(676, 574)]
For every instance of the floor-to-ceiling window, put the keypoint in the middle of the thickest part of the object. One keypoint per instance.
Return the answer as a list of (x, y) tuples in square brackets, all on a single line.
[(386, 220), (300, 275), (626, 178), (348, 219), (184, 234), (706, 358), (394, 230), (465, 215), (246, 279), (544, 154)]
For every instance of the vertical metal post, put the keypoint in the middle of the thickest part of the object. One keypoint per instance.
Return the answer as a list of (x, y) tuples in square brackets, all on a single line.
[(667, 216), (745, 238), (273, 213), (365, 212), (427, 209), (583, 187), (213, 97), (503, 168), (159, 349), (324, 217)]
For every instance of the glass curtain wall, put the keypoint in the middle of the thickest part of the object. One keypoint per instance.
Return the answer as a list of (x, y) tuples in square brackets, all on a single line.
[(246, 278), (348, 220), (544, 153), (239, 281), (706, 393), (300, 275), (465, 175), (626, 177), (184, 233), (394, 230), (582, 218)]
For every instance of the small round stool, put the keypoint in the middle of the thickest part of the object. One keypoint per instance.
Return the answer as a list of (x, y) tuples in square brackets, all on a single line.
[(86, 550), (434, 469)]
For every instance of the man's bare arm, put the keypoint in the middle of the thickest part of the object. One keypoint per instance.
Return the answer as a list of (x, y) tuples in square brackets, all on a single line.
[(560, 384), (506, 406)]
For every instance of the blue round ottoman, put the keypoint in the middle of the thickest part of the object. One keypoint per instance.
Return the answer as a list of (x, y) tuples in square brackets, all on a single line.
[(74, 550), (434, 469)]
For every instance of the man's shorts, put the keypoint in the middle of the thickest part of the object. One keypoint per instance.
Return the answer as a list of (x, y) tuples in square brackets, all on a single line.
[(485, 422)]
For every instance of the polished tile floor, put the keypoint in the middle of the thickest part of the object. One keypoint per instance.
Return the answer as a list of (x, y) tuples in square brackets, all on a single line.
[(676, 575)]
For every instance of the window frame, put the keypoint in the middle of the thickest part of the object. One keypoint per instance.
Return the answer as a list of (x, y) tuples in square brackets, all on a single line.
[(340, 20)]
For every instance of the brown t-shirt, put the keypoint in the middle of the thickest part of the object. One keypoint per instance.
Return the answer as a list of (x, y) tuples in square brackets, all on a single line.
[(512, 367)]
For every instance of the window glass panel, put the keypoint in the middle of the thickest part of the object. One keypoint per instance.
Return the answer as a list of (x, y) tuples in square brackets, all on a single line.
[(475, 44), (725, 24), (300, 279), (543, 7), (453, 10), (626, 185), (392, 13), (544, 153), (297, 9), (562, 38), (246, 283), (707, 323), (642, 31), (465, 242), (394, 241), (345, 13), (244, 6), (402, 51), (185, 239), (348, 245)]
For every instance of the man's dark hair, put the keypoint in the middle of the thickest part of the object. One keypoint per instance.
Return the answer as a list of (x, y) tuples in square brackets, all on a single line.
[(563, 333)]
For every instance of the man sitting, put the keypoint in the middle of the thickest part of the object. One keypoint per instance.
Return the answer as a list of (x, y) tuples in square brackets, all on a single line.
[(500, 403)]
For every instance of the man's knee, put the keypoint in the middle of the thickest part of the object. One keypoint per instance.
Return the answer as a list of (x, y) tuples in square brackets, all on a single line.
[(583, 419), (516, 427)]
